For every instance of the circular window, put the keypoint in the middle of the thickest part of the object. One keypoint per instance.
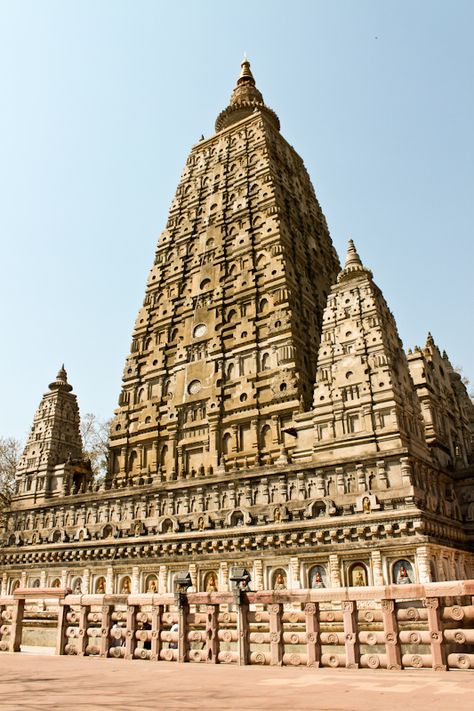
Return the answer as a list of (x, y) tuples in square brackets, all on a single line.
[(194, 387), (200, 330), (243, 397)]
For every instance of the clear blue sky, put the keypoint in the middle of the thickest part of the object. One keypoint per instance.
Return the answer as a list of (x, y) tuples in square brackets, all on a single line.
[(101, 101)]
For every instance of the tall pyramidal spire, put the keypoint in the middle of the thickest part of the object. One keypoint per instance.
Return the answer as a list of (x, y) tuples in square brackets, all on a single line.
[(224, 348)]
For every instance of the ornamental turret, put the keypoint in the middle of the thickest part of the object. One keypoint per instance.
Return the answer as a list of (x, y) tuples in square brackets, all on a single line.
[(52, 461), (364, 398)]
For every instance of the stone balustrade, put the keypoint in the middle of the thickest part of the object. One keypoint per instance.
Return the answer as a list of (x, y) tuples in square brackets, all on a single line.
[(390, 627)]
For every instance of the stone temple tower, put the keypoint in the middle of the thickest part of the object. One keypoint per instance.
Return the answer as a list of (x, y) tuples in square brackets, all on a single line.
[(224, 348), (268, 418), (52, 463)]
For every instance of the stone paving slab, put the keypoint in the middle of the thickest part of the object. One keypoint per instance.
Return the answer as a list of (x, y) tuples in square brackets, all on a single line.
[(36, 683)]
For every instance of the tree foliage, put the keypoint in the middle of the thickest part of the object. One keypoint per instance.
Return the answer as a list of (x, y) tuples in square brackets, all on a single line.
[(10, 452), (95, 437)]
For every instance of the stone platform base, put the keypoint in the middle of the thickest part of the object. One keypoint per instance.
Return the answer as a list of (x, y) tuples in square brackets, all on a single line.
[(32, 683)]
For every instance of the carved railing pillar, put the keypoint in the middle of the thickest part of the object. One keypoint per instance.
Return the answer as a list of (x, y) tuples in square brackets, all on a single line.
[(61, 639), (313, 643), (212, 634), (183, 625), (82, 632), (156, 625), (105, 630), (130, 639), (243, 631), (438, 650), (390, 626), (349, 616), (17, 625), (276, 634)]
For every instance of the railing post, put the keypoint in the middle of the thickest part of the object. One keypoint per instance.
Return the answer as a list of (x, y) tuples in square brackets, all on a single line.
[(313, 643), (61, 638), (156, 618), (438, 651), (390, 628), (130, 639), (243, 628), (212, 634), (349, 614), (82, 641), (2, 609), (276, 634), (105, 631), (17, 624), (183, 612)]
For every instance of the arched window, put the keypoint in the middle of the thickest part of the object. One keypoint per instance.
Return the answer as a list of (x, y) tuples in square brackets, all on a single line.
[(279, 581), (100, 585), (266, 361), (133, 465), (210, 581), (317, 577), (266, 437), (151, 584), (226, 443), (358, 575), (230, 371), (402, 572), (263, 306), (205, 284), (163, 454), (107, 532)]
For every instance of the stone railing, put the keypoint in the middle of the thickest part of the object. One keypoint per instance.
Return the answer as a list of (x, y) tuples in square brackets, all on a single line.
[(392, 627)]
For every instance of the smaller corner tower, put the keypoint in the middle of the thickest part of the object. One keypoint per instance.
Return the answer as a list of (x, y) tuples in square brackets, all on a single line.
[(364, 397), (52, 462)]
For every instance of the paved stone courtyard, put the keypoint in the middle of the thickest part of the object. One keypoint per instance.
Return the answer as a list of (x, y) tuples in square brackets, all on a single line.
[(31, 682)]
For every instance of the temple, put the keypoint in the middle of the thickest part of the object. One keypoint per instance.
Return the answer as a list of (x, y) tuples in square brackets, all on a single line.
[(269, 417)]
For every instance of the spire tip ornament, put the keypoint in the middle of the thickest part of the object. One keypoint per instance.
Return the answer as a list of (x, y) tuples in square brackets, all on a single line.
[(244, 100), (353, 266)]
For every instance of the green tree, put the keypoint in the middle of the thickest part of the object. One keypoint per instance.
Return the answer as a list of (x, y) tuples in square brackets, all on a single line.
[(10, 452), (95, 437)]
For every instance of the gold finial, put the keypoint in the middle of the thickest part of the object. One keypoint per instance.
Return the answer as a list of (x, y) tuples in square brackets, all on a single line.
[(61, 382), (245, 72), (353, 266), (244, 100), (352, 258)]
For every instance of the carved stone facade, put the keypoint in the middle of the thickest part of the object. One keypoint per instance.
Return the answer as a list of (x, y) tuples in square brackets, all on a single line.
[(269, 416)]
